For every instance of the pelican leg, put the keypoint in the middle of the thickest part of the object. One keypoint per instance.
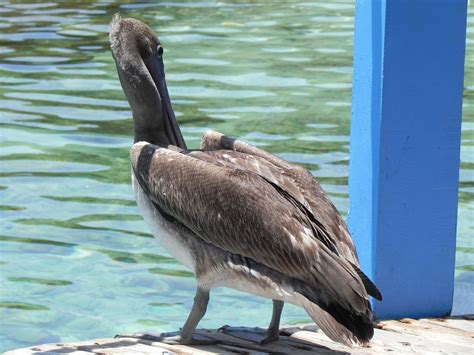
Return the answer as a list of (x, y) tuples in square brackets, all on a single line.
[(197, 312), (258, 335), (274, 327), (201, 299)]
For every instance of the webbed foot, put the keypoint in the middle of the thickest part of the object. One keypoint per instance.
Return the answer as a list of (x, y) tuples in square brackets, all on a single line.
[(172, 338), (269, 338), (255, 335)]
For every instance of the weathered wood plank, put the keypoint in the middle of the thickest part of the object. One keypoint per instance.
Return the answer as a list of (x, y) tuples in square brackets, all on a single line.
[(433, 336)]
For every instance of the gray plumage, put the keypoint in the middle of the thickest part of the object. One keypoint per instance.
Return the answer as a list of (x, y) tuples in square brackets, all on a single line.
[(236, 215)]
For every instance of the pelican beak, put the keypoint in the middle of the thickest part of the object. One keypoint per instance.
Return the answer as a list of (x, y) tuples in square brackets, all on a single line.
[(155, 66)]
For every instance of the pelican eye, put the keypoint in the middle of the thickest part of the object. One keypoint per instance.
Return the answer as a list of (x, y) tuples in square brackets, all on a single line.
[(159, 50)]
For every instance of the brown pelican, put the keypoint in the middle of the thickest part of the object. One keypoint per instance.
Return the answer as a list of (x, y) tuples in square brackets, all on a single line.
[(234, 214)]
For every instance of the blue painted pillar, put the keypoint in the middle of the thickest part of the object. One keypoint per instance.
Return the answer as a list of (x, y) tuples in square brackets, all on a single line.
[(405, 142)]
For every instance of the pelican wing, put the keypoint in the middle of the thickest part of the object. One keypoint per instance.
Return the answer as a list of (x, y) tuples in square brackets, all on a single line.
[(298, 183), (234, 210), (300, 188), (242, 213), (303, 187)]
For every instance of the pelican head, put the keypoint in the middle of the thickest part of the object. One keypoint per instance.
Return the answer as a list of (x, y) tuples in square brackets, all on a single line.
[(138, 55)]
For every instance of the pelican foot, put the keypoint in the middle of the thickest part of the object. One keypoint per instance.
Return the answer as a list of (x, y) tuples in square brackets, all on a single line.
[(171, 338), (255, 335), (269, 338)]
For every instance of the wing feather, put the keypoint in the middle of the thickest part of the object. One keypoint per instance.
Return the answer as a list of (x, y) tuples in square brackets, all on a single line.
[(199, 194)]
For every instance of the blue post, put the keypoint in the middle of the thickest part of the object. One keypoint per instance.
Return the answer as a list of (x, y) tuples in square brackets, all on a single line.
[(405, 142)]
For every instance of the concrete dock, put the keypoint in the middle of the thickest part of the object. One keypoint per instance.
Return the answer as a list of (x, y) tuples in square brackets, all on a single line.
[(453, 335)]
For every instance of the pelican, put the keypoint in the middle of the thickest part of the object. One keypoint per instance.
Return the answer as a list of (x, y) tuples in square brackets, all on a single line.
[(236, 215)]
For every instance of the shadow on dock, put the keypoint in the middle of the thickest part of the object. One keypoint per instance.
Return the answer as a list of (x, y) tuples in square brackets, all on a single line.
[(431, 335)]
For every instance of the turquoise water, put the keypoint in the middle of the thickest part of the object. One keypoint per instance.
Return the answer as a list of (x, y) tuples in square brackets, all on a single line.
[(76, 260)]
